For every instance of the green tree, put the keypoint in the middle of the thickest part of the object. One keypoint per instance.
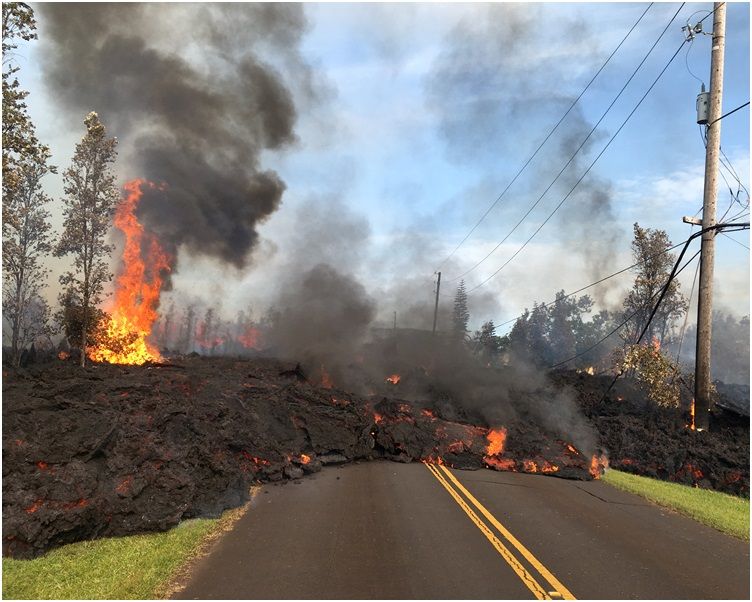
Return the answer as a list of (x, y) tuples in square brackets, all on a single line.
[(26, 241), (89, 203), (652, 272), (566, 324), (487, 344), (461, 315)]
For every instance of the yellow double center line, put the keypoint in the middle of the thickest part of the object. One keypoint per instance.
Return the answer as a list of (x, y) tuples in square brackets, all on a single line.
[(454, 487)]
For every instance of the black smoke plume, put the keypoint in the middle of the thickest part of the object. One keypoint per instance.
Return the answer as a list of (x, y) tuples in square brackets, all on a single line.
[(198, 124)]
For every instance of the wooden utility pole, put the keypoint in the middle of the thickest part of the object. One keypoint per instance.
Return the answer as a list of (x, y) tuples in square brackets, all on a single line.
[(707, 256), (436, 306)]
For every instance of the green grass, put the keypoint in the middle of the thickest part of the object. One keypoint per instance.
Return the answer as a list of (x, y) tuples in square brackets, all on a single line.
[(134, 567), (727, 513)]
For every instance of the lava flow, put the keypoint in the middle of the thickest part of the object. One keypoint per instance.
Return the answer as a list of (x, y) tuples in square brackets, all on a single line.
[(124, 337)]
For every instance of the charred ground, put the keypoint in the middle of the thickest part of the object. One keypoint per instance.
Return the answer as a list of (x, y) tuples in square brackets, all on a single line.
[(114, 450)]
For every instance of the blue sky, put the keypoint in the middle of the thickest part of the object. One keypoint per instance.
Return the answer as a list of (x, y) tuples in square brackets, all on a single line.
[(429, 110)]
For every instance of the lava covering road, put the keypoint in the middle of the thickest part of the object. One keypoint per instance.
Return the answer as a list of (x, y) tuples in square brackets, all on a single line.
[(115, 450)]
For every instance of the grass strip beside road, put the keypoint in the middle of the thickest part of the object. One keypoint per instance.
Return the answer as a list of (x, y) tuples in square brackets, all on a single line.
[(727, 513), (137, 567)]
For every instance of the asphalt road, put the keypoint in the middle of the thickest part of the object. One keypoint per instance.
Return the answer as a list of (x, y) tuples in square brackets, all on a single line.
[(387, 530)]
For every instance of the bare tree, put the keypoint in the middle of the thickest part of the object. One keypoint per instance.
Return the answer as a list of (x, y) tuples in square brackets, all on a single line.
[(90, 199), (26, 240)]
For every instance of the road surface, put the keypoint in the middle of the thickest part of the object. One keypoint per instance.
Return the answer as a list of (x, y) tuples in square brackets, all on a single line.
[(388, 530)]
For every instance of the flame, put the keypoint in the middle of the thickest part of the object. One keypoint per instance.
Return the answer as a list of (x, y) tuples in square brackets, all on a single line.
[(529, 466), (137, 288), (428, 414), (394, 379), (496, 439), (251, 338), (304, 459), (656, 345), (598, 465), (377, 418), (590, 370), (572, 449), (63, 355), (692, 415)]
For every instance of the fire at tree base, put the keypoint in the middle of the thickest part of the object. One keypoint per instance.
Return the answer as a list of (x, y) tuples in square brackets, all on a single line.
[(116, 450)]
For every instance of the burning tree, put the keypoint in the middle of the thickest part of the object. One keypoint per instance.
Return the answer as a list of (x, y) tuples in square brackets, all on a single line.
[(90, 199)]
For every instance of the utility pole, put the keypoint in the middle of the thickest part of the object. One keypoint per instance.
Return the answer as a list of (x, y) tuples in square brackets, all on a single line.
[(436, 306), (707, 255)]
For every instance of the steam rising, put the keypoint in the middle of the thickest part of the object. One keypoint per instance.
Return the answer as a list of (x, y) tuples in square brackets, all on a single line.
[(208, 118)]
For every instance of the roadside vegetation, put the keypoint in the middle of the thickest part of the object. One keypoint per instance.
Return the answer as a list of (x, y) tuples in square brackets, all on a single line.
[(727, 513), (138, 567)]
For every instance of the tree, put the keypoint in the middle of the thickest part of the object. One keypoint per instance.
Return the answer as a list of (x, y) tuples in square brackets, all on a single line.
[(89, 203), (653, 269), (167, 324), (19, 139), (26, 240), (187, 329), (566, 324), (461, 315), (486, 342)]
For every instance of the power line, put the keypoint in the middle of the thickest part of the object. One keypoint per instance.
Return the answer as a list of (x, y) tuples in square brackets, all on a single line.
[(584, 174), (736, 241), (746, 104), (576, 152), (550, 133)]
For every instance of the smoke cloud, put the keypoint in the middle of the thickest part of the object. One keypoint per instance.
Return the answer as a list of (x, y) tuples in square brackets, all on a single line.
[(196, 115)]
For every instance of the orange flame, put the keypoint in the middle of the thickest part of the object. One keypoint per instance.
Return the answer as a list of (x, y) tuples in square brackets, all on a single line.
[(529, 466), (572, 448), (598, 465), (496, 439), (251, 338), (394, 379), (63, 355), (304, 459), (428, 413), (137, 288), (692, 415)]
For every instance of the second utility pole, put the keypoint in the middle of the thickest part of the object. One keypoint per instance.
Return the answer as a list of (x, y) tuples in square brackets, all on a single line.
[(703, 380)]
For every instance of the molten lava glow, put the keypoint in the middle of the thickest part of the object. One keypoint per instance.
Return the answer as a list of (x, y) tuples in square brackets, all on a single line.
[(394, 379), (598, 464), (456, 447), (501, 463), (529, 466), (63, 355), (496, 439), (304, 459), (34, 507), (692, 415), (377, 418), (428, 414), (572, 448), (137, 288), (548, 468), (590, 370)]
